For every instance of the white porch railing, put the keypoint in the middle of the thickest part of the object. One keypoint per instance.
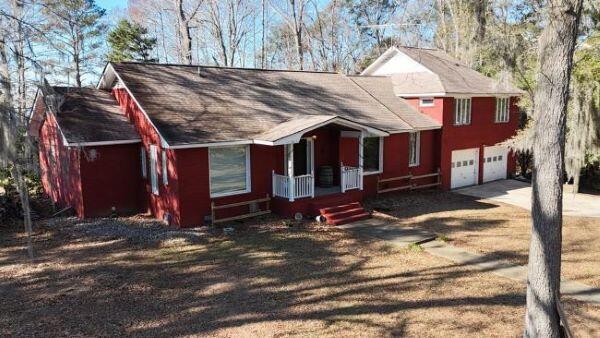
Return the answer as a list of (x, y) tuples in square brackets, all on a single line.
[(301, 186), (350, 178)]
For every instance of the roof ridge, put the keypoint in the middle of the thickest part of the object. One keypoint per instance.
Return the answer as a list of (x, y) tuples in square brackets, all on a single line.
[(225, 67)]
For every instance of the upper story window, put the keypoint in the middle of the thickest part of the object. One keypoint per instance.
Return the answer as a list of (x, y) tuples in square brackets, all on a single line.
[(372, 155), (462, 111), (414, 141), (502, 109), (426, 102), (229, 170), (165, 168)]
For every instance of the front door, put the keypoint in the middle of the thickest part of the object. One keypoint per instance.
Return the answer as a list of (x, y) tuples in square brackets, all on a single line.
[(303, 157)]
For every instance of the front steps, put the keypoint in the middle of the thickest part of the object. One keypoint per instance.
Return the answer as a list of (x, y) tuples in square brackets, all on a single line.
[(344, 213)]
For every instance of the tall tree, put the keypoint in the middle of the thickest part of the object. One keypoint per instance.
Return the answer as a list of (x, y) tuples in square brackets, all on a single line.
[(293, 13), (77, 30), (130, 42), (184, 19), (556, 47), (372, 18), (228, 25)]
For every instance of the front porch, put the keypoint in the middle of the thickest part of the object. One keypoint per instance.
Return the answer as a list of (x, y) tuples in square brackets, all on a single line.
[(323, 169), (325, 161)]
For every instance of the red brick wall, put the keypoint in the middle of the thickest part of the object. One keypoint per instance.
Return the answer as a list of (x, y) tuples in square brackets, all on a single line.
[(59, 173), (110, 177)]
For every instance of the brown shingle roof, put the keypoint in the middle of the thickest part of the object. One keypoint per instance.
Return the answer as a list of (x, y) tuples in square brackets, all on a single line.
[(382, 89), (197, 104), (91, 115), (446, 75)]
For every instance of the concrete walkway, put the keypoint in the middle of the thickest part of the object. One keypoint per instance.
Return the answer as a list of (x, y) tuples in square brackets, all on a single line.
[(518, 193), (401, 236)]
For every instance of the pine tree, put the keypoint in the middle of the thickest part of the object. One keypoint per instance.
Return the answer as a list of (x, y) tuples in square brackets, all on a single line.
[(75, 27), (129, 42)]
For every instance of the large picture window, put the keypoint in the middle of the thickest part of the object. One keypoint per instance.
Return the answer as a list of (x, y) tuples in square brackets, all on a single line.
[(414, 140), (462, 111), (502, 109), (372, 151), (229, 170)]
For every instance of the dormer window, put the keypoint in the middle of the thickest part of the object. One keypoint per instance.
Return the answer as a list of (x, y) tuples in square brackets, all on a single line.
[(426, 102)]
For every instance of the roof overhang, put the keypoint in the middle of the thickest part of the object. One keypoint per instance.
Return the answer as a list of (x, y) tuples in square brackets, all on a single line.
[(292, 135), (443, 94)]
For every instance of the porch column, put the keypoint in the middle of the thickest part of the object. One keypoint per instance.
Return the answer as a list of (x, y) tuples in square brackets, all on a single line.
[(289, 150), (360, 159)]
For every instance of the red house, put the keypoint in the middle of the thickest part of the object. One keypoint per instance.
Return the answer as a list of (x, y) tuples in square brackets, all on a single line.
[(196, 144)]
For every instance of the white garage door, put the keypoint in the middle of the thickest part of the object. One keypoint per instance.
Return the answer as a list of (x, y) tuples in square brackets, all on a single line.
[(494, 163), (465, 167)]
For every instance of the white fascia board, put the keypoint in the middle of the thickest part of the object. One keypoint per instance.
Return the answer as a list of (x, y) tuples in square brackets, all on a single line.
[(102, 143), (110, 68), (441, 94), (382, 58), (212, 144), (418, 95)]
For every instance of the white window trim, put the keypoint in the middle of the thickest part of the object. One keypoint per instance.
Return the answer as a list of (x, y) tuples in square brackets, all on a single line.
[(468, 112), (417, 150), (154, 169), (144, 160), (506, 112), (248, 176), (165, 169), (380, 170), (421, 104)]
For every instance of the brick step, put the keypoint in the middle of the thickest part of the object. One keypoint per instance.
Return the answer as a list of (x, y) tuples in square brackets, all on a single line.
[(354, 218), (343, 213), (338, 208)]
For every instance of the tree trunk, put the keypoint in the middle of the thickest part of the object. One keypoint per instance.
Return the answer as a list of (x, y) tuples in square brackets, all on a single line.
[(184, 31), (556, 46), (24, 195)]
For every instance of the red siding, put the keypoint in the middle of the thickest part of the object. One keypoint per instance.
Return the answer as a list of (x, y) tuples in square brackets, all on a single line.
[(110, 177), (482, 131), (193, 168), (395, 160), (59, 172), (167, 200)]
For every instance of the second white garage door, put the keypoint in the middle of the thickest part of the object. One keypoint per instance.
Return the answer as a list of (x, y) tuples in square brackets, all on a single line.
[(465, 167), (494, 163)]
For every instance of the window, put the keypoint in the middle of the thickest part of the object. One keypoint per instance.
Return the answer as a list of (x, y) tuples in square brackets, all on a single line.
[(165, 169), (143, 159), (153, 169), (372, 155), (414, 140), (502, 109), (229, 170), (462, 111), (426, 102)]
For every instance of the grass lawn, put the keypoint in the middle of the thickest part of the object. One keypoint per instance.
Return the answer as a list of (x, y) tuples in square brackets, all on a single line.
[(496, 229), (132, 277)]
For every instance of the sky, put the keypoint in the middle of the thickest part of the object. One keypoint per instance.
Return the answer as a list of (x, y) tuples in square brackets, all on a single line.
[(110, 4)]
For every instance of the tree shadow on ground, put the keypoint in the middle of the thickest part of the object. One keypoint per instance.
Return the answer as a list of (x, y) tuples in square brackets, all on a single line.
[(304, 280)]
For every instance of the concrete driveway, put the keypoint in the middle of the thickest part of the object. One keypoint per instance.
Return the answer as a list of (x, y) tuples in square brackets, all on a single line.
[(519, 194)]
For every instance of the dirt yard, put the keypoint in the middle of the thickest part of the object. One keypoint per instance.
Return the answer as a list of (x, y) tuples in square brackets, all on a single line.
[(132, 277), (496, 229)]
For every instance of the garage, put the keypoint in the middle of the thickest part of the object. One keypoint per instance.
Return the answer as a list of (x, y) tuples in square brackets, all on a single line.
[(494, 163), (465, 167)]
